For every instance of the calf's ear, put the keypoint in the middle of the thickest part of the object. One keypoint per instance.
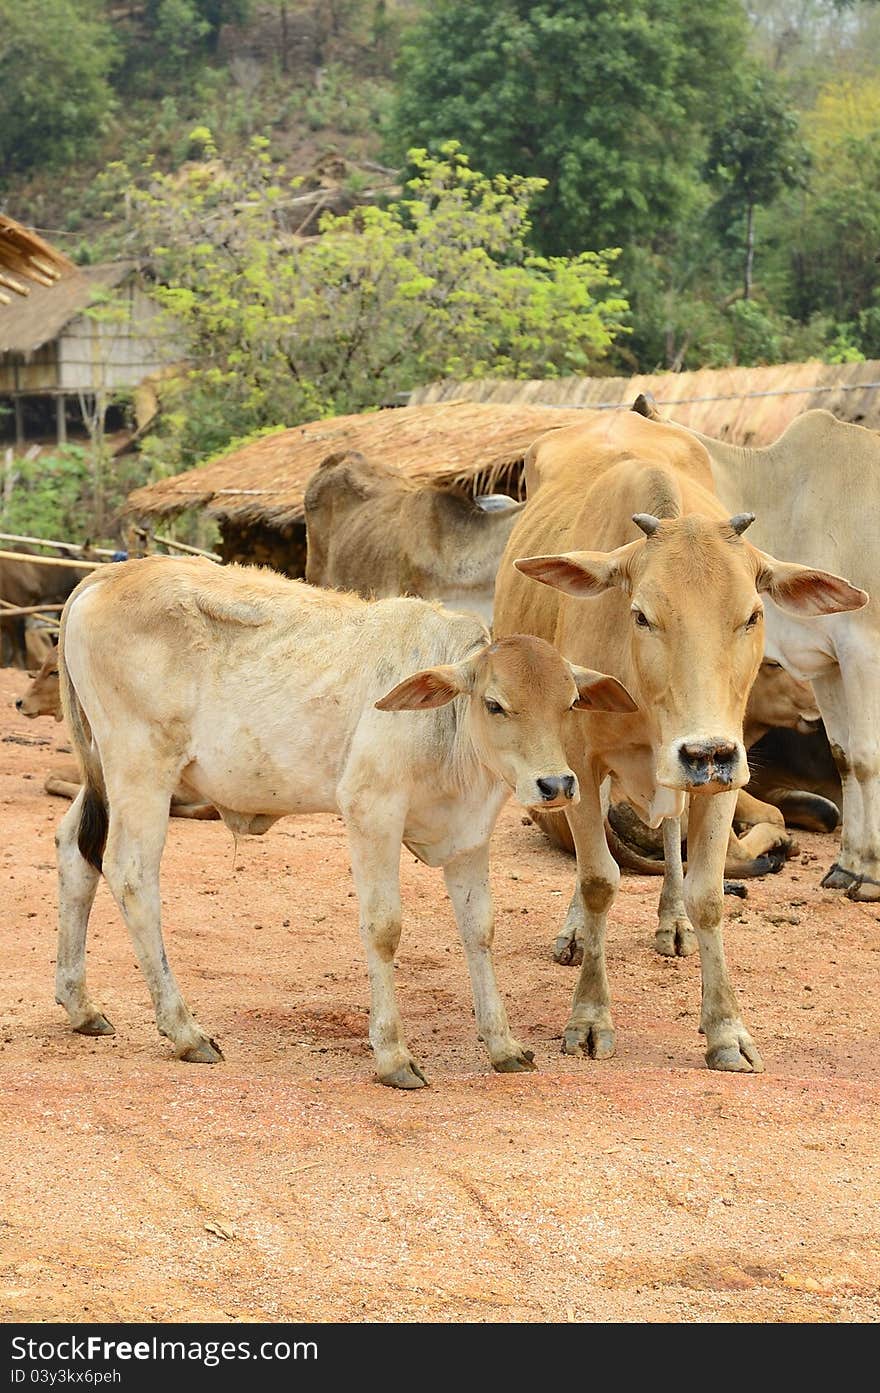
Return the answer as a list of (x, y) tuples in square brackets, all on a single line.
[(581, 573), (804, 591), (599, 692), (434, 686)]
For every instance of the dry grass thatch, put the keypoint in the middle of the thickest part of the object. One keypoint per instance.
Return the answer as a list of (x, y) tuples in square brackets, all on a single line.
[(479, 446), (747, 406), (26, 260), (29, 321)]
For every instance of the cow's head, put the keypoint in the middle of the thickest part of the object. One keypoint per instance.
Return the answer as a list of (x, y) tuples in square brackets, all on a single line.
[(43, 696), (695, 631), (520, 695)]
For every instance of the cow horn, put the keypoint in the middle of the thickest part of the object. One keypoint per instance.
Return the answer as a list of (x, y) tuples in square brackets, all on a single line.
[(740, 521), (647, 522)]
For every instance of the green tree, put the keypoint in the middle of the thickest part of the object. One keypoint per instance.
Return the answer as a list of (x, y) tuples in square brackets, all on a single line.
[(440, 283), (607, 100), (753, 155), (55, 60)]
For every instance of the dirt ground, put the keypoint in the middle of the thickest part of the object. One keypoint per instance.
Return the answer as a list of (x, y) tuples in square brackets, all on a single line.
[(286, 1184)]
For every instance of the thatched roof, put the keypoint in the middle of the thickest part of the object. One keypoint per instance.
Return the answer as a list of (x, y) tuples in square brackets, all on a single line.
[(29, 321), (481, 446), (748, 406), (26, 260)]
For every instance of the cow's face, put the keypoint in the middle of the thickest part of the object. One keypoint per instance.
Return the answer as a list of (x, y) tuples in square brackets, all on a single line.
[(778, 699), (520, 695), (695, 632), (43, 696)]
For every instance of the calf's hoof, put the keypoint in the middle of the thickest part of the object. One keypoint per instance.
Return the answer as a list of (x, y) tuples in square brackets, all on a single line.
[(594, 1041), (836, 878), (206, 1052), (407, 1075), (97, 1024), (567, 950), (676, 939), (522, 1062)]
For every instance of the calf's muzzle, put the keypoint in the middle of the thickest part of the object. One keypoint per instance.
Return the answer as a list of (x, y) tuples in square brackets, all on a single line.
[(557, 788), (709, 761)]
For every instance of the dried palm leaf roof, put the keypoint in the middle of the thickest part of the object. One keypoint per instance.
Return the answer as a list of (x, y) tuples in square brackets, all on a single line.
[(28, 321), (26, 260), (466, 443), (748, 406)]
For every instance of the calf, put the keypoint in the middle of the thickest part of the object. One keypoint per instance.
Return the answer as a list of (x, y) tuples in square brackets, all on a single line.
[(282, 706)]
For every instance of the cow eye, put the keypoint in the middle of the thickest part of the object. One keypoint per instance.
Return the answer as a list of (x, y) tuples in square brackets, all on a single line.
[(641, 621), (494, 708), (753, 619), (771, 662)]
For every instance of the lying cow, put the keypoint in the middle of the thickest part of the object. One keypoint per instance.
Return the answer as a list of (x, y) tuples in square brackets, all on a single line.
[(676, 614), (26, 583), (43, 698), (282, 707), (372, 530)]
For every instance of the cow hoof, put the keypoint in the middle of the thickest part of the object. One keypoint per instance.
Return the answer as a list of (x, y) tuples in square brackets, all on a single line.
[(742, 1058), (596, 1042), (864, 890), (675, 940), (97, 1024), (836, 878), (409, 1075), (735, 887), (523, 1062), (567, 950), (207, 1052)]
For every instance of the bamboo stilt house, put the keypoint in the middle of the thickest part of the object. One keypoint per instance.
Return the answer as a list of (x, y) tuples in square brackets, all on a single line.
[(54, 356)]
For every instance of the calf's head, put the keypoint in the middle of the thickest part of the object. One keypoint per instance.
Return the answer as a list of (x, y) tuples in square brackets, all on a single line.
[(519, 692), (695, 631), (43, 696)]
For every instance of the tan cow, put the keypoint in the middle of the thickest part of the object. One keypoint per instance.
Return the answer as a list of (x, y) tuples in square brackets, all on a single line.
[(374, 531), (267, 696), (43, 698), (625, 517)]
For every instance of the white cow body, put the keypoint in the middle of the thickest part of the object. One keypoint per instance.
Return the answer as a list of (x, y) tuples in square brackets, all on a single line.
[(258, 695)]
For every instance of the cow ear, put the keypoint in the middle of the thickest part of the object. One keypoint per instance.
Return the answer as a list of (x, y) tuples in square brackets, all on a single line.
[(599, 692), (434, 686), (581, 573), (804, 591)]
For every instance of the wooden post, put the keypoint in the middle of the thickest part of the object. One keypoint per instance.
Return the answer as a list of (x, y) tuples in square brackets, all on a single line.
[(60, 420), (19, 422)]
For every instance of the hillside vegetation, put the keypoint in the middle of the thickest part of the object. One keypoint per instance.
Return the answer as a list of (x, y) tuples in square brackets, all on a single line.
[(340, 199)]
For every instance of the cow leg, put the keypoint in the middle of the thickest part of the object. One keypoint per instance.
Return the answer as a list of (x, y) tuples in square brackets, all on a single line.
[(848, 700), (77, 883), (590, 1030), (728, 1044), (674, 936), (135, 842), (374, 841), (467, 881)]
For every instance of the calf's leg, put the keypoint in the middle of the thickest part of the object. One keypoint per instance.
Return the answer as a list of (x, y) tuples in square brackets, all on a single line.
[(467, 881), (375, 839), (135, 841), (728, 1044), (77, 883)]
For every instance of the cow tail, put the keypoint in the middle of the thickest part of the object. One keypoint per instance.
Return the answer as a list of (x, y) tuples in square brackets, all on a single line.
[(93, 820)]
